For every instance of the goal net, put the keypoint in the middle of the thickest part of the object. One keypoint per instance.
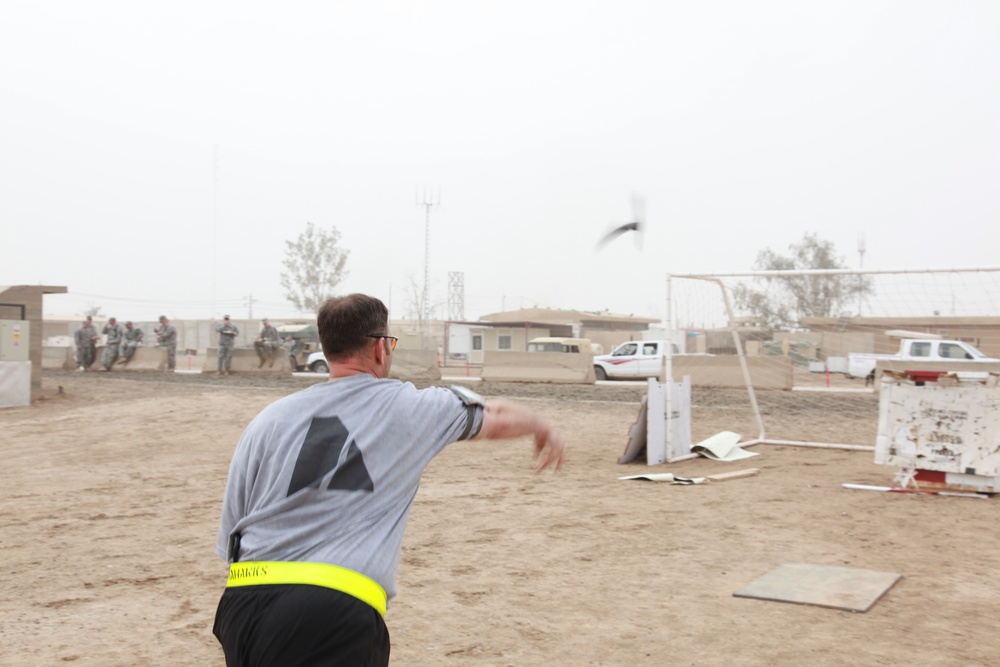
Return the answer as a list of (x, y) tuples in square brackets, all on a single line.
[(767, 351)]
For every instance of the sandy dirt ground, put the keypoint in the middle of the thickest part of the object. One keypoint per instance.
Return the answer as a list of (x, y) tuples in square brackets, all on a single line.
[(110, 494)]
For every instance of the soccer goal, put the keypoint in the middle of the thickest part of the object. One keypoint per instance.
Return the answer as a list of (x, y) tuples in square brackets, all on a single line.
[(767, 351)]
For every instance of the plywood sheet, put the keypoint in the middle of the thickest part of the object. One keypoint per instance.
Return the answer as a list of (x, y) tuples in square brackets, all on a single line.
[(636, 436), (847, 588)]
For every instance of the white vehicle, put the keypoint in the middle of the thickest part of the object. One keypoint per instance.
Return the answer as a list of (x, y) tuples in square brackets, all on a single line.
[(299, 341), (634, 359), (861, 365), (316, 363)]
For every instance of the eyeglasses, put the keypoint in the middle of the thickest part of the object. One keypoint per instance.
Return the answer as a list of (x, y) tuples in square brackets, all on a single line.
[(392, 339)]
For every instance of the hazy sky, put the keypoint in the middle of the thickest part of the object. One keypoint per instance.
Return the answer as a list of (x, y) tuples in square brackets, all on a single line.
[(154, 157)]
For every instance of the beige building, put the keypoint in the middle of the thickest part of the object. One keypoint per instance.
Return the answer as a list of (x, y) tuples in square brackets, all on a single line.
[(511, 331), (841, 336)]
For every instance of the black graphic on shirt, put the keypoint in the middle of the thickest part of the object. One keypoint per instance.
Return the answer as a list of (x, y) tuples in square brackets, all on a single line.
[(352, 475), (319, 454)]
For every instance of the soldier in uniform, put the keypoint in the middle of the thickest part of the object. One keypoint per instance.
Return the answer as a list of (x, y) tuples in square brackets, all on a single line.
[(85, 339), (293, 346), (227, 342), (166, 336), (131, 340), (113, 331), (266, 343)]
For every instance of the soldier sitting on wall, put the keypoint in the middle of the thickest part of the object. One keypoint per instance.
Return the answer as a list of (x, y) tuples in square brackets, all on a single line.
[(131, 340), (266, 343)]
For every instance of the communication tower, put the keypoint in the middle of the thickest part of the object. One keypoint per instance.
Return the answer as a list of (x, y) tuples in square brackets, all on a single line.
[(456, 296), (861, 265), (428, 202)]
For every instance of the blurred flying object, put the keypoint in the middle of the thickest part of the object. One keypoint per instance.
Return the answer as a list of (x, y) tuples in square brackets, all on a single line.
[(637, 225)]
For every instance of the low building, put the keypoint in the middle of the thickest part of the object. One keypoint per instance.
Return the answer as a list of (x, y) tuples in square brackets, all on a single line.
[(511, 331), (843, 335)]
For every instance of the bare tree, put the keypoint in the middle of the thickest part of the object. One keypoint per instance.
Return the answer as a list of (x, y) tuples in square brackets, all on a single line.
[(92, 311), (314, 266), (782, 301), (416, 309)]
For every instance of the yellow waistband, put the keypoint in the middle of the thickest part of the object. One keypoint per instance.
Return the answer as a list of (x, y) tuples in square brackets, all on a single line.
[(259, 573)]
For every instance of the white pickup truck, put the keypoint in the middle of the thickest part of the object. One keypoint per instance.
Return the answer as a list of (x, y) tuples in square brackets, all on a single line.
[(634, 359), (863, 365)]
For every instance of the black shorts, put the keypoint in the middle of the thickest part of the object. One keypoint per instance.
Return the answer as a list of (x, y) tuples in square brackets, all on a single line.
[(295, 625)]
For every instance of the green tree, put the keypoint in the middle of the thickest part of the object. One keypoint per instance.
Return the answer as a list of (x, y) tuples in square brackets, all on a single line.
[(781, 302), (314, 266)]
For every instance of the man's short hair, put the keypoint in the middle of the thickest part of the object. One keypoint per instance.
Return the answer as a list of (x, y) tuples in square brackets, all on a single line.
[(346, 322)]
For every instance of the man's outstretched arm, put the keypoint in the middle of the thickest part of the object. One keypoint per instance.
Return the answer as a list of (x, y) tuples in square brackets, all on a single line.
[(504, 419)]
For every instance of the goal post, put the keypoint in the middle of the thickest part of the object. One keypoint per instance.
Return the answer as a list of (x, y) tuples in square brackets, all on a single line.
[(789, 385)]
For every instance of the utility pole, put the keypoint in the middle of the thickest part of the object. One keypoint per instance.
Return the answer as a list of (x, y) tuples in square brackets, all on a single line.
[(428, 202), (215, 221), (250, 300), (861, 265)]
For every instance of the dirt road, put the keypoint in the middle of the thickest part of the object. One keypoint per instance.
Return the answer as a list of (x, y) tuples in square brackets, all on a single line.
[(110, 494)]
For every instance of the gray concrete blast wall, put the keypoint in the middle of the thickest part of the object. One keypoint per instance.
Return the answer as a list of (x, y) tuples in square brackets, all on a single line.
[(725, 371), (144, 359), (246, 361), (552, 367), (414, 365)]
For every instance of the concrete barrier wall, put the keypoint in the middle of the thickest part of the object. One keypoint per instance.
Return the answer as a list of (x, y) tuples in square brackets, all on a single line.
[(144, 359), (414, 365), (406, 364), (553, 367), (557, 367), (947, 366), (65, 358), (725, 371), (245, 360), (62, 358)]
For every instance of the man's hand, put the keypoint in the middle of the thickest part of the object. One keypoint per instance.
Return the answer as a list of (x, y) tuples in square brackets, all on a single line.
[(549, 449), (503, 419)]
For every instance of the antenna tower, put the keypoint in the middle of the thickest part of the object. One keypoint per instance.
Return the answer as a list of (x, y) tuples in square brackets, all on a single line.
[(215, 221), (861, 265), (456, 296), (428, 202)]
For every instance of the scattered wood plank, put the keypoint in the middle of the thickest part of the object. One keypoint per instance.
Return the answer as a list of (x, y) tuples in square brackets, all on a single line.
[(736, 474)]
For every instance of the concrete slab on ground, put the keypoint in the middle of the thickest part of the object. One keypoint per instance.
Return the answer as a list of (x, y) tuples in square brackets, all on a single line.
[(847, 588)]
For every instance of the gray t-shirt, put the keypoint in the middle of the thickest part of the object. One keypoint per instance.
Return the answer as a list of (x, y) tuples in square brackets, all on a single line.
[(328, 474)]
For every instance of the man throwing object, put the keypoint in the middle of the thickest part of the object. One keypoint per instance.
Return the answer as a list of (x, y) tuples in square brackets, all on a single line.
[(319, 491)]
